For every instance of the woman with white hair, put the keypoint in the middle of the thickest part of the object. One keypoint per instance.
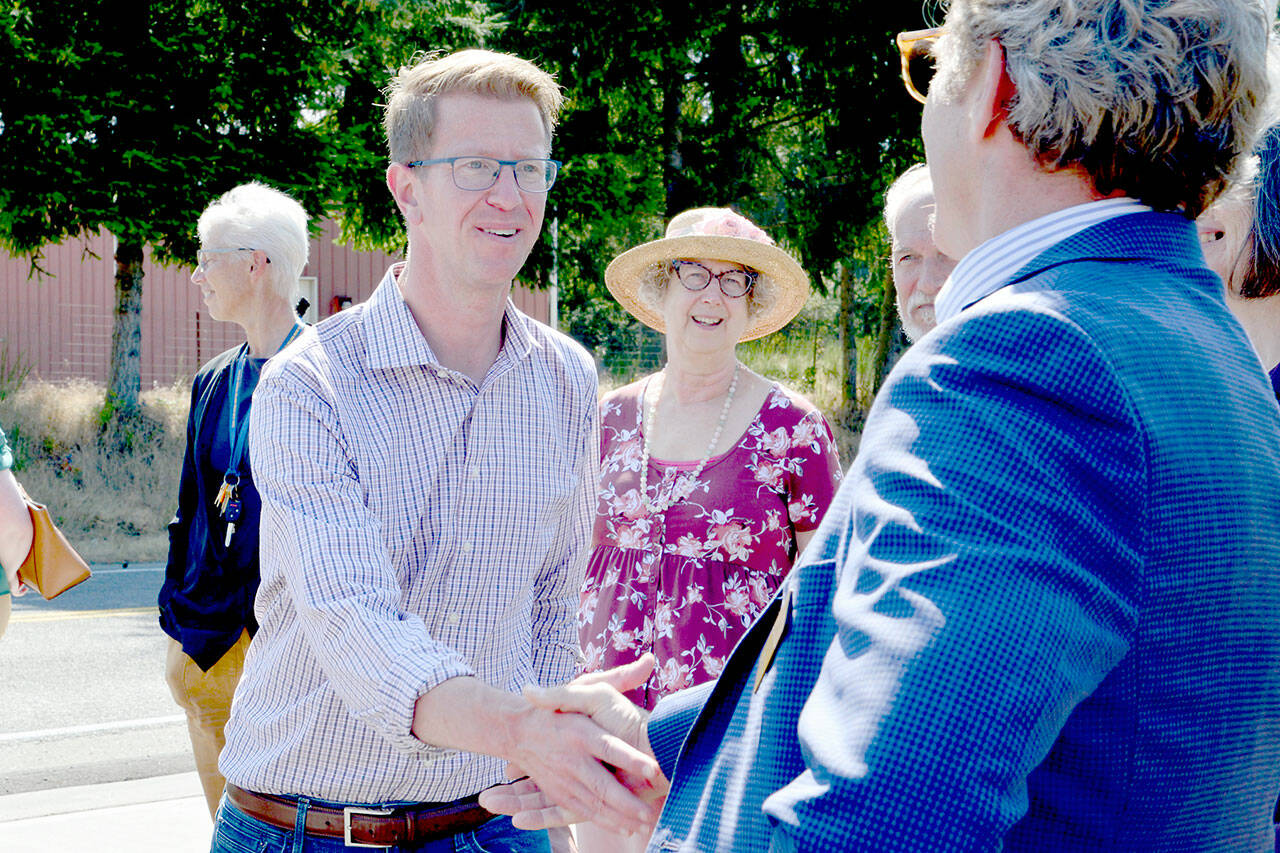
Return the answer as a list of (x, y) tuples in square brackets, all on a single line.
[(253, 247)]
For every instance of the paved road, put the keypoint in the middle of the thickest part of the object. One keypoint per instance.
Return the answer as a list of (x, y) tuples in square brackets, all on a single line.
[(84, 699)]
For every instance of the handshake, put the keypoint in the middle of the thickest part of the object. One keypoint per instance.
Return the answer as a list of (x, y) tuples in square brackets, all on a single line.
[(594, 763)]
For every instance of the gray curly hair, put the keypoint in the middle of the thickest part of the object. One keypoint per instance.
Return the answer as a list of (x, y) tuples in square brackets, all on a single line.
[(1154, 98), (652, 287)]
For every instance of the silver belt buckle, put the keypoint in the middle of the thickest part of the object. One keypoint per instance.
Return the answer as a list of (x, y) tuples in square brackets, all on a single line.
[(347, 812)]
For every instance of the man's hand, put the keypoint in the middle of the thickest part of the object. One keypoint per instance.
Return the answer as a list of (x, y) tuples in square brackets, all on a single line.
[(577, 762), (581, 768), (597, 696)]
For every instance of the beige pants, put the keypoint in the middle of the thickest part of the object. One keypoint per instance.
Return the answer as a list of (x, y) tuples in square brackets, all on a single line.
[(206, 697)]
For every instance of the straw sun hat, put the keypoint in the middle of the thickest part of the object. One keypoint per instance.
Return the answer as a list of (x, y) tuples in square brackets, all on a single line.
[(714, 233)]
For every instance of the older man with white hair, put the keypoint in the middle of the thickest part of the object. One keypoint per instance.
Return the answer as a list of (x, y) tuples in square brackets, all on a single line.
[(1039, 614), (919, 268)]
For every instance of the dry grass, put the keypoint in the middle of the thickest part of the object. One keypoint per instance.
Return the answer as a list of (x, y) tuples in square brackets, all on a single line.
[(810, 366), (115, 506), (112, 506), (806, 361)]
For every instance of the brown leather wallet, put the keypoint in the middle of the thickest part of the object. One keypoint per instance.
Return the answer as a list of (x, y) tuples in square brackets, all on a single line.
[(366, 826)]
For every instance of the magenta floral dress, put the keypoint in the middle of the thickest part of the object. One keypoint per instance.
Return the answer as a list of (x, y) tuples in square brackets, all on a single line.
[(686, 583)]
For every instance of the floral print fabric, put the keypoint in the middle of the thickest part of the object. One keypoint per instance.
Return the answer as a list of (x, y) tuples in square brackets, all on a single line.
[(686, 583)]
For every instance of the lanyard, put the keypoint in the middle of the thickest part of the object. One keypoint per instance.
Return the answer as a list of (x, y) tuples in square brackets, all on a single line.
[(227, 500)]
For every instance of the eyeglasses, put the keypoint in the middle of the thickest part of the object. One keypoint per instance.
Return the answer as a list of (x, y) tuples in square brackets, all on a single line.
[(533, 175), (733, 283), (203, 259), (918, 63)]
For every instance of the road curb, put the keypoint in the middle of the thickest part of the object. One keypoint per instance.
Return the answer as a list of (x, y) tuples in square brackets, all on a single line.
[(83, 798)]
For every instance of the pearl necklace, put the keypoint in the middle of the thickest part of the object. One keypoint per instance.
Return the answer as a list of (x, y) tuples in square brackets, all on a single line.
[(657, 506)]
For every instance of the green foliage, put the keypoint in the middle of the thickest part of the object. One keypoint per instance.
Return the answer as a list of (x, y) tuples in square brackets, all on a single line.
[(134, 122), (623, 346), (791, 111), (381, 38), (754, 105), (869, 266)]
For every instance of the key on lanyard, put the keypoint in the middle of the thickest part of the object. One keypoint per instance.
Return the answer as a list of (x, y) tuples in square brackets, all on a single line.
[(228, 499), (229, 491), (228, 503), (224, 494), (231, 512)]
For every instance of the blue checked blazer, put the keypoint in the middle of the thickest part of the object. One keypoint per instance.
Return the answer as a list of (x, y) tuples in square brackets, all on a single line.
[(1042, 612)]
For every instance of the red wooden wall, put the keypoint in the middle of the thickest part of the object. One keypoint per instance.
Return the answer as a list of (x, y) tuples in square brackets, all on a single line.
[(61, 323)]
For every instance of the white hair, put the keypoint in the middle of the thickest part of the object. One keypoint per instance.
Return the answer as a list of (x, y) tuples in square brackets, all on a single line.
[(256, 216), (905, 187)]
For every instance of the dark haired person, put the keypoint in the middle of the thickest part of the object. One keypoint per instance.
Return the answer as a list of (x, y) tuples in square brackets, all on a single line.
[(1240, 235)]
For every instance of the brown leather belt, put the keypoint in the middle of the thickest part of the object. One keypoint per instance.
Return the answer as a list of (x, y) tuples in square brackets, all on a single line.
[(362, 826)]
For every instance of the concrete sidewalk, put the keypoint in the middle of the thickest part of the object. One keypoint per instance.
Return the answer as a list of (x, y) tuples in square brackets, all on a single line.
[(164, 814)]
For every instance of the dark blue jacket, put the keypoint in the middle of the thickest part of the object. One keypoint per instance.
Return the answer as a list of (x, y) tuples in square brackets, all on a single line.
[(1041, 612), (208, 591)]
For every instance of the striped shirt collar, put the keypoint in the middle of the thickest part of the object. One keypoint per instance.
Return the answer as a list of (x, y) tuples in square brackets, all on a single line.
[(993, 264), (395, 340)]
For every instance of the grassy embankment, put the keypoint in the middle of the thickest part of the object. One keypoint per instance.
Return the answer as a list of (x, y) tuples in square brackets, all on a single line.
[(115, 506), (111, 506)]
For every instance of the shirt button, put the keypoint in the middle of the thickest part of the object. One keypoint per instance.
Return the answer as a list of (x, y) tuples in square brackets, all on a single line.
[(453, 619), (474, 474), (466, 547)]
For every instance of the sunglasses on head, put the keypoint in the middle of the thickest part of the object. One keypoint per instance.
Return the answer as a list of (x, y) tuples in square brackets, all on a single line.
[(918, 65)]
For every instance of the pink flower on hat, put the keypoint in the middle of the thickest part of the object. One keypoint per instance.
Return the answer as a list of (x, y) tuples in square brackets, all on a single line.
[(716, 222)]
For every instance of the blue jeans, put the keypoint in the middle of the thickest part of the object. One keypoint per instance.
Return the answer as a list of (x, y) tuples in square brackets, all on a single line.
[(236, 832)]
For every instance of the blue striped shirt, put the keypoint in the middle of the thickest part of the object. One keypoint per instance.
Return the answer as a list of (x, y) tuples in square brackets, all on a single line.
[(993, 264), (416, 526)]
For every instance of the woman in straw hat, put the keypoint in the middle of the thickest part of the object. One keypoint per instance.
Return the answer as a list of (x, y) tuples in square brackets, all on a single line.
[(712, 477)]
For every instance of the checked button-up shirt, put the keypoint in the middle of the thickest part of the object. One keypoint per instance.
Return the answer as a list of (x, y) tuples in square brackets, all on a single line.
[(416, 527)]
